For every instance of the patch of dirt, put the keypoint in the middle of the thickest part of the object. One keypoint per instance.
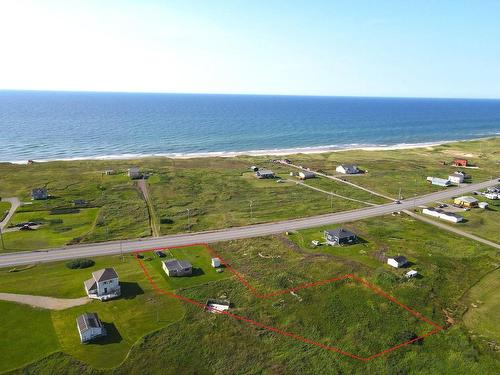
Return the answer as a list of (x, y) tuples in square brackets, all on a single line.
[(50, 303)]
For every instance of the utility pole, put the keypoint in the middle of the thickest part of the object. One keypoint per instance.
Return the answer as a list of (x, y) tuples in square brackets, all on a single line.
[(331, 200), (121, 250), (251, 209), (189, 222)]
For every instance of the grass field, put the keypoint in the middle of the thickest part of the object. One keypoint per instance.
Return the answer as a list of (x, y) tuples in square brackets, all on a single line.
[(484, 307), (4, 209), (57, 229)]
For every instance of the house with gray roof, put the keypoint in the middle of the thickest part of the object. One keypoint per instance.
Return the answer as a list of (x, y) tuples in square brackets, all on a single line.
[(89, 327), (176, 268), (103, 285), (39, 194), (339, 236), (347, 169), (264, 173)]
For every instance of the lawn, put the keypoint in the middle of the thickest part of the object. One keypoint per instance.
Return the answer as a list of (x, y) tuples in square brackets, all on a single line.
[(483, 222), (4, 209), (139, 311), (56, 230)]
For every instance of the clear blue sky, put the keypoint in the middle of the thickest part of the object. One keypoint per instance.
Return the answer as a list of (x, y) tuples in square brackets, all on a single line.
[(369, 48)]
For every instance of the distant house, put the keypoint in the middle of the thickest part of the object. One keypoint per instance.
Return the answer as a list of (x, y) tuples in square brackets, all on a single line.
[(134, 173), (347, 169), (89, 327), (448, 216), (109, 172), (466, 201), (339, 236), (439, 181), (460, 163), (215, 262), (177, 268), (491, 196), (39, 194), (397, 262), (254, 168), (264, 173), (304, 175), (457, 177), (103, 285)]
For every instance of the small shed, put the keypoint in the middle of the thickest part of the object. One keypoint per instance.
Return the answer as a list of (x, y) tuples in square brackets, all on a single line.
[(483, 205), (89, 327), (134, 173), (177, 268), (109, 172), (397, 262), (254, 168), (264, 173), (411, 273), (457, 177), (217, 305), (39, 194), (304, 175), (439, 181), (460, 163), (215, 262)]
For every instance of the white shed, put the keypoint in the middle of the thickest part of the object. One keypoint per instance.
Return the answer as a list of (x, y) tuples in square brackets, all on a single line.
[(411, 273), (397, 262), (215, 262)]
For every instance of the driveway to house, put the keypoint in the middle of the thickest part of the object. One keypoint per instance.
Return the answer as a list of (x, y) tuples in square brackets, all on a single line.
[(50, 303), (14, 205), (249, 231)]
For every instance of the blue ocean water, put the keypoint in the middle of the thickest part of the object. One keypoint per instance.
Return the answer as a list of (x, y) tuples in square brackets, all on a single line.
[(65, 125)]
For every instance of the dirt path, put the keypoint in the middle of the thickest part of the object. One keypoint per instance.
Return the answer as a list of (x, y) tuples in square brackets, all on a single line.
[(14, 205), (153, 219), (50, 303)]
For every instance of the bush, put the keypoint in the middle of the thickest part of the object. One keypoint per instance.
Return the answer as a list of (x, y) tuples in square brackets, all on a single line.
[(166, 220), (55, 221), (64, 210), (80, 263)]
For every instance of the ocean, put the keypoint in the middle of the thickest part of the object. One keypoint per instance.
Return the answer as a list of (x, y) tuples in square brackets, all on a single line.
[(78, 125)]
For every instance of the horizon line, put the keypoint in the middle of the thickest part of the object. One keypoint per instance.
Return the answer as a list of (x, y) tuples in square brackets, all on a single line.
[(248, 94)]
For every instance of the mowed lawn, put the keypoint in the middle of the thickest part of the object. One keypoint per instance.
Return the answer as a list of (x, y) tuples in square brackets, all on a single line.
[(56, 230), (484, 307), (4, 209), (137, 312)]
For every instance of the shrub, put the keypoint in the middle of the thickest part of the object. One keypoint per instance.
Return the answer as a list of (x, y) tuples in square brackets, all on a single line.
[(166, 220), (64, 210), (80, 263), (55, 221)]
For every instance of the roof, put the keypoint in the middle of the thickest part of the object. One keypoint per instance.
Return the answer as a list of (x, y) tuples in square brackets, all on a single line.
[(88, 320), (104, 274), (90, 284), (39, 190), (133, 169), (340, 233), (176, 265), (400, 259), (307, 173), (458, 174), (467, 198), (265, 171)]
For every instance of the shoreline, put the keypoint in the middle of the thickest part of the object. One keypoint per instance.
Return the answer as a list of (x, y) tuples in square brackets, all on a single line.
[(269, 152)]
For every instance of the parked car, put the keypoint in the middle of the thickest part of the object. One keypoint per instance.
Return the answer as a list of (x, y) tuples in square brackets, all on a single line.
[(160, 254)]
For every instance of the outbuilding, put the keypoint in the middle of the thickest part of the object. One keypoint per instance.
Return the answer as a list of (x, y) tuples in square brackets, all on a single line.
[(264, 173), (439, 181), (411, 273), (457, 177), (460, 163), (304, 175), (483, 205), (134, 173), (89, 327), (39, 194), (339, 236), (448, 216), (215, 262), (397, 262)]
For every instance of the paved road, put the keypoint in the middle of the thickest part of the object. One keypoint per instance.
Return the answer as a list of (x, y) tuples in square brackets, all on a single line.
[(108, 248), (14, 205), (452, 229)]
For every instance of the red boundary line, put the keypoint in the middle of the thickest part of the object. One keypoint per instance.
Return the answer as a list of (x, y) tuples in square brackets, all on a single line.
[(299, 287)]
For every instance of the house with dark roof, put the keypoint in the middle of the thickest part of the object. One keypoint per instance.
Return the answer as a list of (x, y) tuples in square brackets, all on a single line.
[(103, 285), (347, 169), (176, 268), (39, 194), (304, 175), (397, 262), (339, 236), (89, 327), (264, 173)]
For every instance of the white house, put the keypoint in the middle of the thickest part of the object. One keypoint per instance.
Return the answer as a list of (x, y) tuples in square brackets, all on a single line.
[(491, 195), (89, 327), (397, 262), (134, 172), (103, 285), (347, 169), (215, 262), (304, 175), (457, 177), (411, 273), (448, 216), (439, 181)]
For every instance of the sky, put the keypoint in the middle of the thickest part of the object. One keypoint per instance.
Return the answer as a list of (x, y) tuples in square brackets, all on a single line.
[(434, 48)]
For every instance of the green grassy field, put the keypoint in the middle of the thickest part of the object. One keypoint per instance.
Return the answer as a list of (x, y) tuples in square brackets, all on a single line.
[(484, 307), (4, 209), (57, 229)]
